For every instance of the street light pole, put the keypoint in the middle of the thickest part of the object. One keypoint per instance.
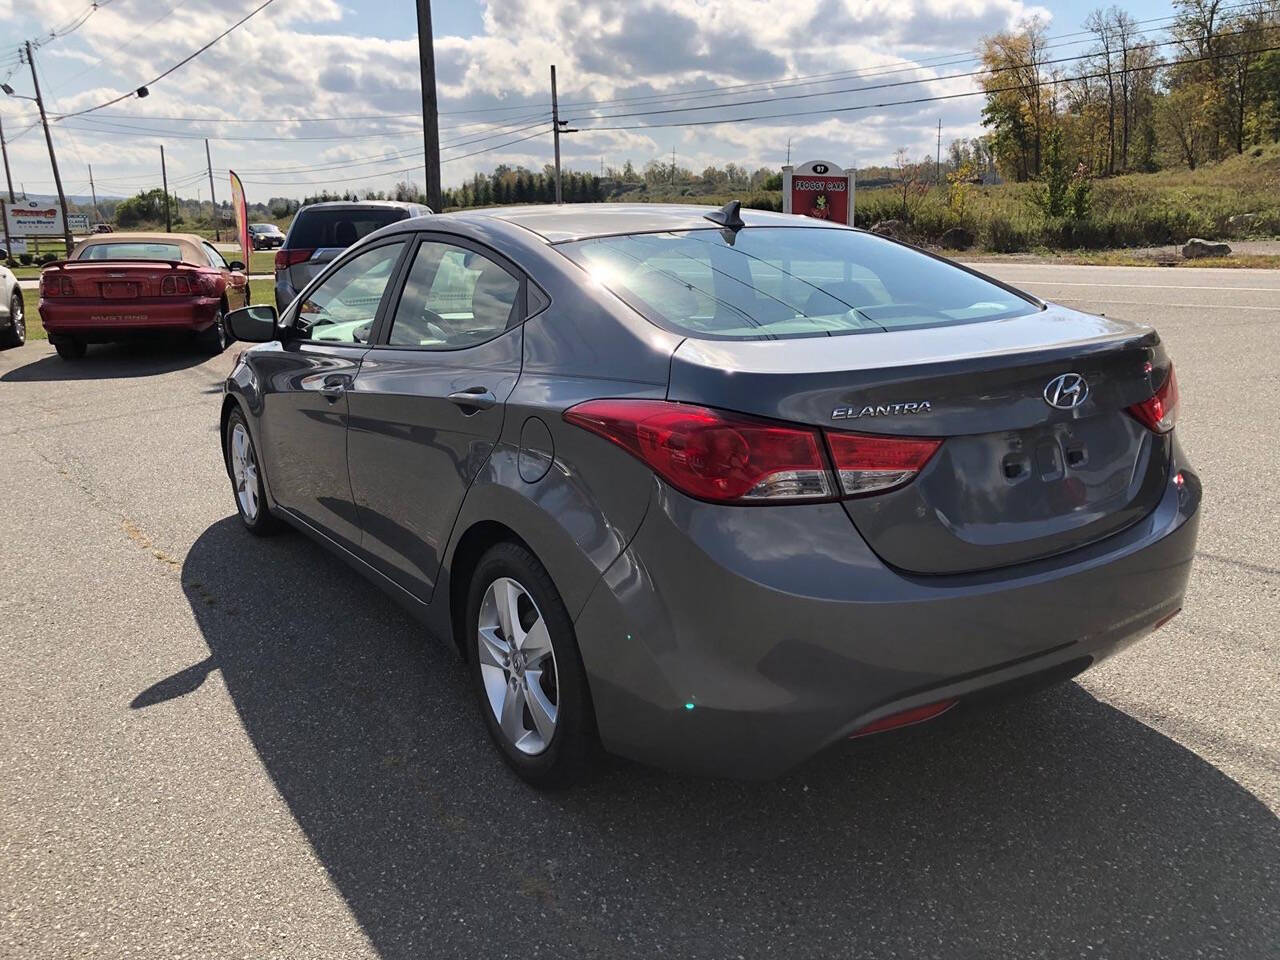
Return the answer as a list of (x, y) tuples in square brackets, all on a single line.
[(555, 128), (53, 160), (430, 113)]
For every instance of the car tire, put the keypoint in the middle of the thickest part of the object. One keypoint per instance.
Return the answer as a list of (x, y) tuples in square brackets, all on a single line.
[(214, 339), (546, 671), (244, 469), (16, 334), (70, 349)]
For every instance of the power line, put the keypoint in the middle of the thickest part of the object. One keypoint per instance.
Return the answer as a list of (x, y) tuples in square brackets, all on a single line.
[(181, 63), (1052, 81), (115, 51), (897, 83)]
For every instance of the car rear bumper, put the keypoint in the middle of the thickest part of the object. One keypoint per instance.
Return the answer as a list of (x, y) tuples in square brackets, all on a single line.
[(113, 318), (738, 641)]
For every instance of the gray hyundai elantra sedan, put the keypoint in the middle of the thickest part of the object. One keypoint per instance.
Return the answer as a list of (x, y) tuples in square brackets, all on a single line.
[(715, 489)]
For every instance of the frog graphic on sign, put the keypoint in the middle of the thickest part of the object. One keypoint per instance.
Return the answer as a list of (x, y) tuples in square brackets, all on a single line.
[(821, 208)]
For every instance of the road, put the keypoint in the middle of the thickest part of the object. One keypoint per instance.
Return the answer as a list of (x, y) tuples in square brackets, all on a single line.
[(215, 746)]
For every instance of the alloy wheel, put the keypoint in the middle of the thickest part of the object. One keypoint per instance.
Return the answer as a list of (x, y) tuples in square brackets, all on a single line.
[(518, 666), (244, 470), (19, 321)]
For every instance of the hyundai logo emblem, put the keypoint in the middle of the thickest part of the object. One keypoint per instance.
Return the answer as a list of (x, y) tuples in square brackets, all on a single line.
[(1066, 391)]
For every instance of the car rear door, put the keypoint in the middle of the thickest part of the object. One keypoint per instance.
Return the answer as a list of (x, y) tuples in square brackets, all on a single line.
[(305, 386), (427, 405)]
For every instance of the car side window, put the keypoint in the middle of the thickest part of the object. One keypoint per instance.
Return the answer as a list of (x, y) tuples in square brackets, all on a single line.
[(344, 306), (453, 298), (215, 258)]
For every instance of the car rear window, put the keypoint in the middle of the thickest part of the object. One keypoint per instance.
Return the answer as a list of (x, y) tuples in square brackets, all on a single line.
[(337, 228), (785, 282), (131, 251)]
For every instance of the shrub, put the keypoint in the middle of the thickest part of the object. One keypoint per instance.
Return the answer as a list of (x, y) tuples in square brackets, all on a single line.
[(26, 259), (48, 257)]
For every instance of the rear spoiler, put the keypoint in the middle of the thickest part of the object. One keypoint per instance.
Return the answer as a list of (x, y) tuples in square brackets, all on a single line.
[(131, 262)]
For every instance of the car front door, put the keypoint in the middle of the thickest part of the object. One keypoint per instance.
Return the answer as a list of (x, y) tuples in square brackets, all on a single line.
[(305, 385), (237, 281), (427, 405)]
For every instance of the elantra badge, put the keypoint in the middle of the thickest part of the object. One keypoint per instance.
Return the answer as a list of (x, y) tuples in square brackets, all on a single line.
[(880, 410), (1066, 390)]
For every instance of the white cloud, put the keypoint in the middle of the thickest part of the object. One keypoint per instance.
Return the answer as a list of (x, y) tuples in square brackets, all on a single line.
[(309, 58)]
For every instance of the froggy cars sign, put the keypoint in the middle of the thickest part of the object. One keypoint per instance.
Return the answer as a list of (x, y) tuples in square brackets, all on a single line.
[(820, 190)]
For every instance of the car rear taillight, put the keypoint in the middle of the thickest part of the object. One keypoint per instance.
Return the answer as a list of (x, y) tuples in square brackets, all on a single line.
[(56, 285), (711, 455), (873, 464), (1160, 412), (287, 258), (176, 285)]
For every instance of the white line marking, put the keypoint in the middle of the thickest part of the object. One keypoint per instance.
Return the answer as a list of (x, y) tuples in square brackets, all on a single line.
[(1151, 286), (1148, 303)]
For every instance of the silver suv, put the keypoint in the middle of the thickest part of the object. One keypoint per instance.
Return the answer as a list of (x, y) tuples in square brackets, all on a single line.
[(321, 231)]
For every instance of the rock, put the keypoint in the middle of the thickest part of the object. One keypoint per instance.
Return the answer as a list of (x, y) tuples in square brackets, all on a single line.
[(1195, 248), (957, 238), (889, 228)]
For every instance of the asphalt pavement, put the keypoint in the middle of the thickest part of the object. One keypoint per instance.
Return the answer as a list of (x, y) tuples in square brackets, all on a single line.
[(218, 746)]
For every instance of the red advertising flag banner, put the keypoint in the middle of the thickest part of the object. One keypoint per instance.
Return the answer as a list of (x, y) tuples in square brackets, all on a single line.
[(242, 217), (819, 190)]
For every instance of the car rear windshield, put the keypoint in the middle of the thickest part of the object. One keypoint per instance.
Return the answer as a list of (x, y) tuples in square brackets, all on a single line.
[(131, 251), (785, 282), (338, 228)]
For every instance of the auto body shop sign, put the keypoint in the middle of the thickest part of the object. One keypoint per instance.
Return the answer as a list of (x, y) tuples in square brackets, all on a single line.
[(820, 190), (33, 218)]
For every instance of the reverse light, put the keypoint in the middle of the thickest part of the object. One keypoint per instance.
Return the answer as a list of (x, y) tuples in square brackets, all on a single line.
[(712, 455), (175, 286), (873, 464), (287, 258), (1159, 412)]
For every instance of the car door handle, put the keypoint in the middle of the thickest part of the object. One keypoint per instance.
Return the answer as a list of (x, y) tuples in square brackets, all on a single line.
[(335, 387), (474, 398)]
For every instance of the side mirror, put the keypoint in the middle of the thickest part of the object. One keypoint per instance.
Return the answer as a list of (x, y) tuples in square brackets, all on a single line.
[(236, 265), (255, 324)]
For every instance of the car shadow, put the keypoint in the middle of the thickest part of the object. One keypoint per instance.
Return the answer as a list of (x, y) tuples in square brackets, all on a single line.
[(112, 361), (1050, 826)]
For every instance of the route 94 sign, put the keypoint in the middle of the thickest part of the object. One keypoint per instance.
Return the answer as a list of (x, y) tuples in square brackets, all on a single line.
[(820, 190)]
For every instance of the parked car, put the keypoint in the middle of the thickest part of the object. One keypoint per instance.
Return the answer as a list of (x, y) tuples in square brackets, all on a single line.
[(321, 231), (13, 325), (717, 494), (123, 285), (265, 236), (102, 228)]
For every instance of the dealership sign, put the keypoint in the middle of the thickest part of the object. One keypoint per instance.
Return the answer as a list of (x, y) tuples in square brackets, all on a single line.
[(820, 190), (32, 218)]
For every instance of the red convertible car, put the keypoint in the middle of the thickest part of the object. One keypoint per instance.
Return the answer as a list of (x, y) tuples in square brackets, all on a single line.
[(121, 285)]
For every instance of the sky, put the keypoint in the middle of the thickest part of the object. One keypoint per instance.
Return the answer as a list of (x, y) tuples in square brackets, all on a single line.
[(264, 94)]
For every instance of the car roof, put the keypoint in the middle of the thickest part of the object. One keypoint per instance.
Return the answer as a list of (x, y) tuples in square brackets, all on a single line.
[(362, 205), (577, 221), (188, 243)]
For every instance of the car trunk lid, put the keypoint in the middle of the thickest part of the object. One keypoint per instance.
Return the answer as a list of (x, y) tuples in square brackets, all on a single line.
[(119, 279), (1016, 478)]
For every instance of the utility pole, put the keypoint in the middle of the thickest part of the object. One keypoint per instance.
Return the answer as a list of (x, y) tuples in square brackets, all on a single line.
[(8, 179), (217, 218), (53, 160), (937, 163), (673, 165), (555, 129), (430, 113), (94, 191), (788, 151), (164, 179)]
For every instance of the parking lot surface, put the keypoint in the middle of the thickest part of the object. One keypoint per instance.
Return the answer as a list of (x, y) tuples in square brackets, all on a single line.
[(217, 746)]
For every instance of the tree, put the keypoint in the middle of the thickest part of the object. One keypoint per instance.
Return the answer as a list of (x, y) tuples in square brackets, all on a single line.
[(1015, 106), (910, 181)]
